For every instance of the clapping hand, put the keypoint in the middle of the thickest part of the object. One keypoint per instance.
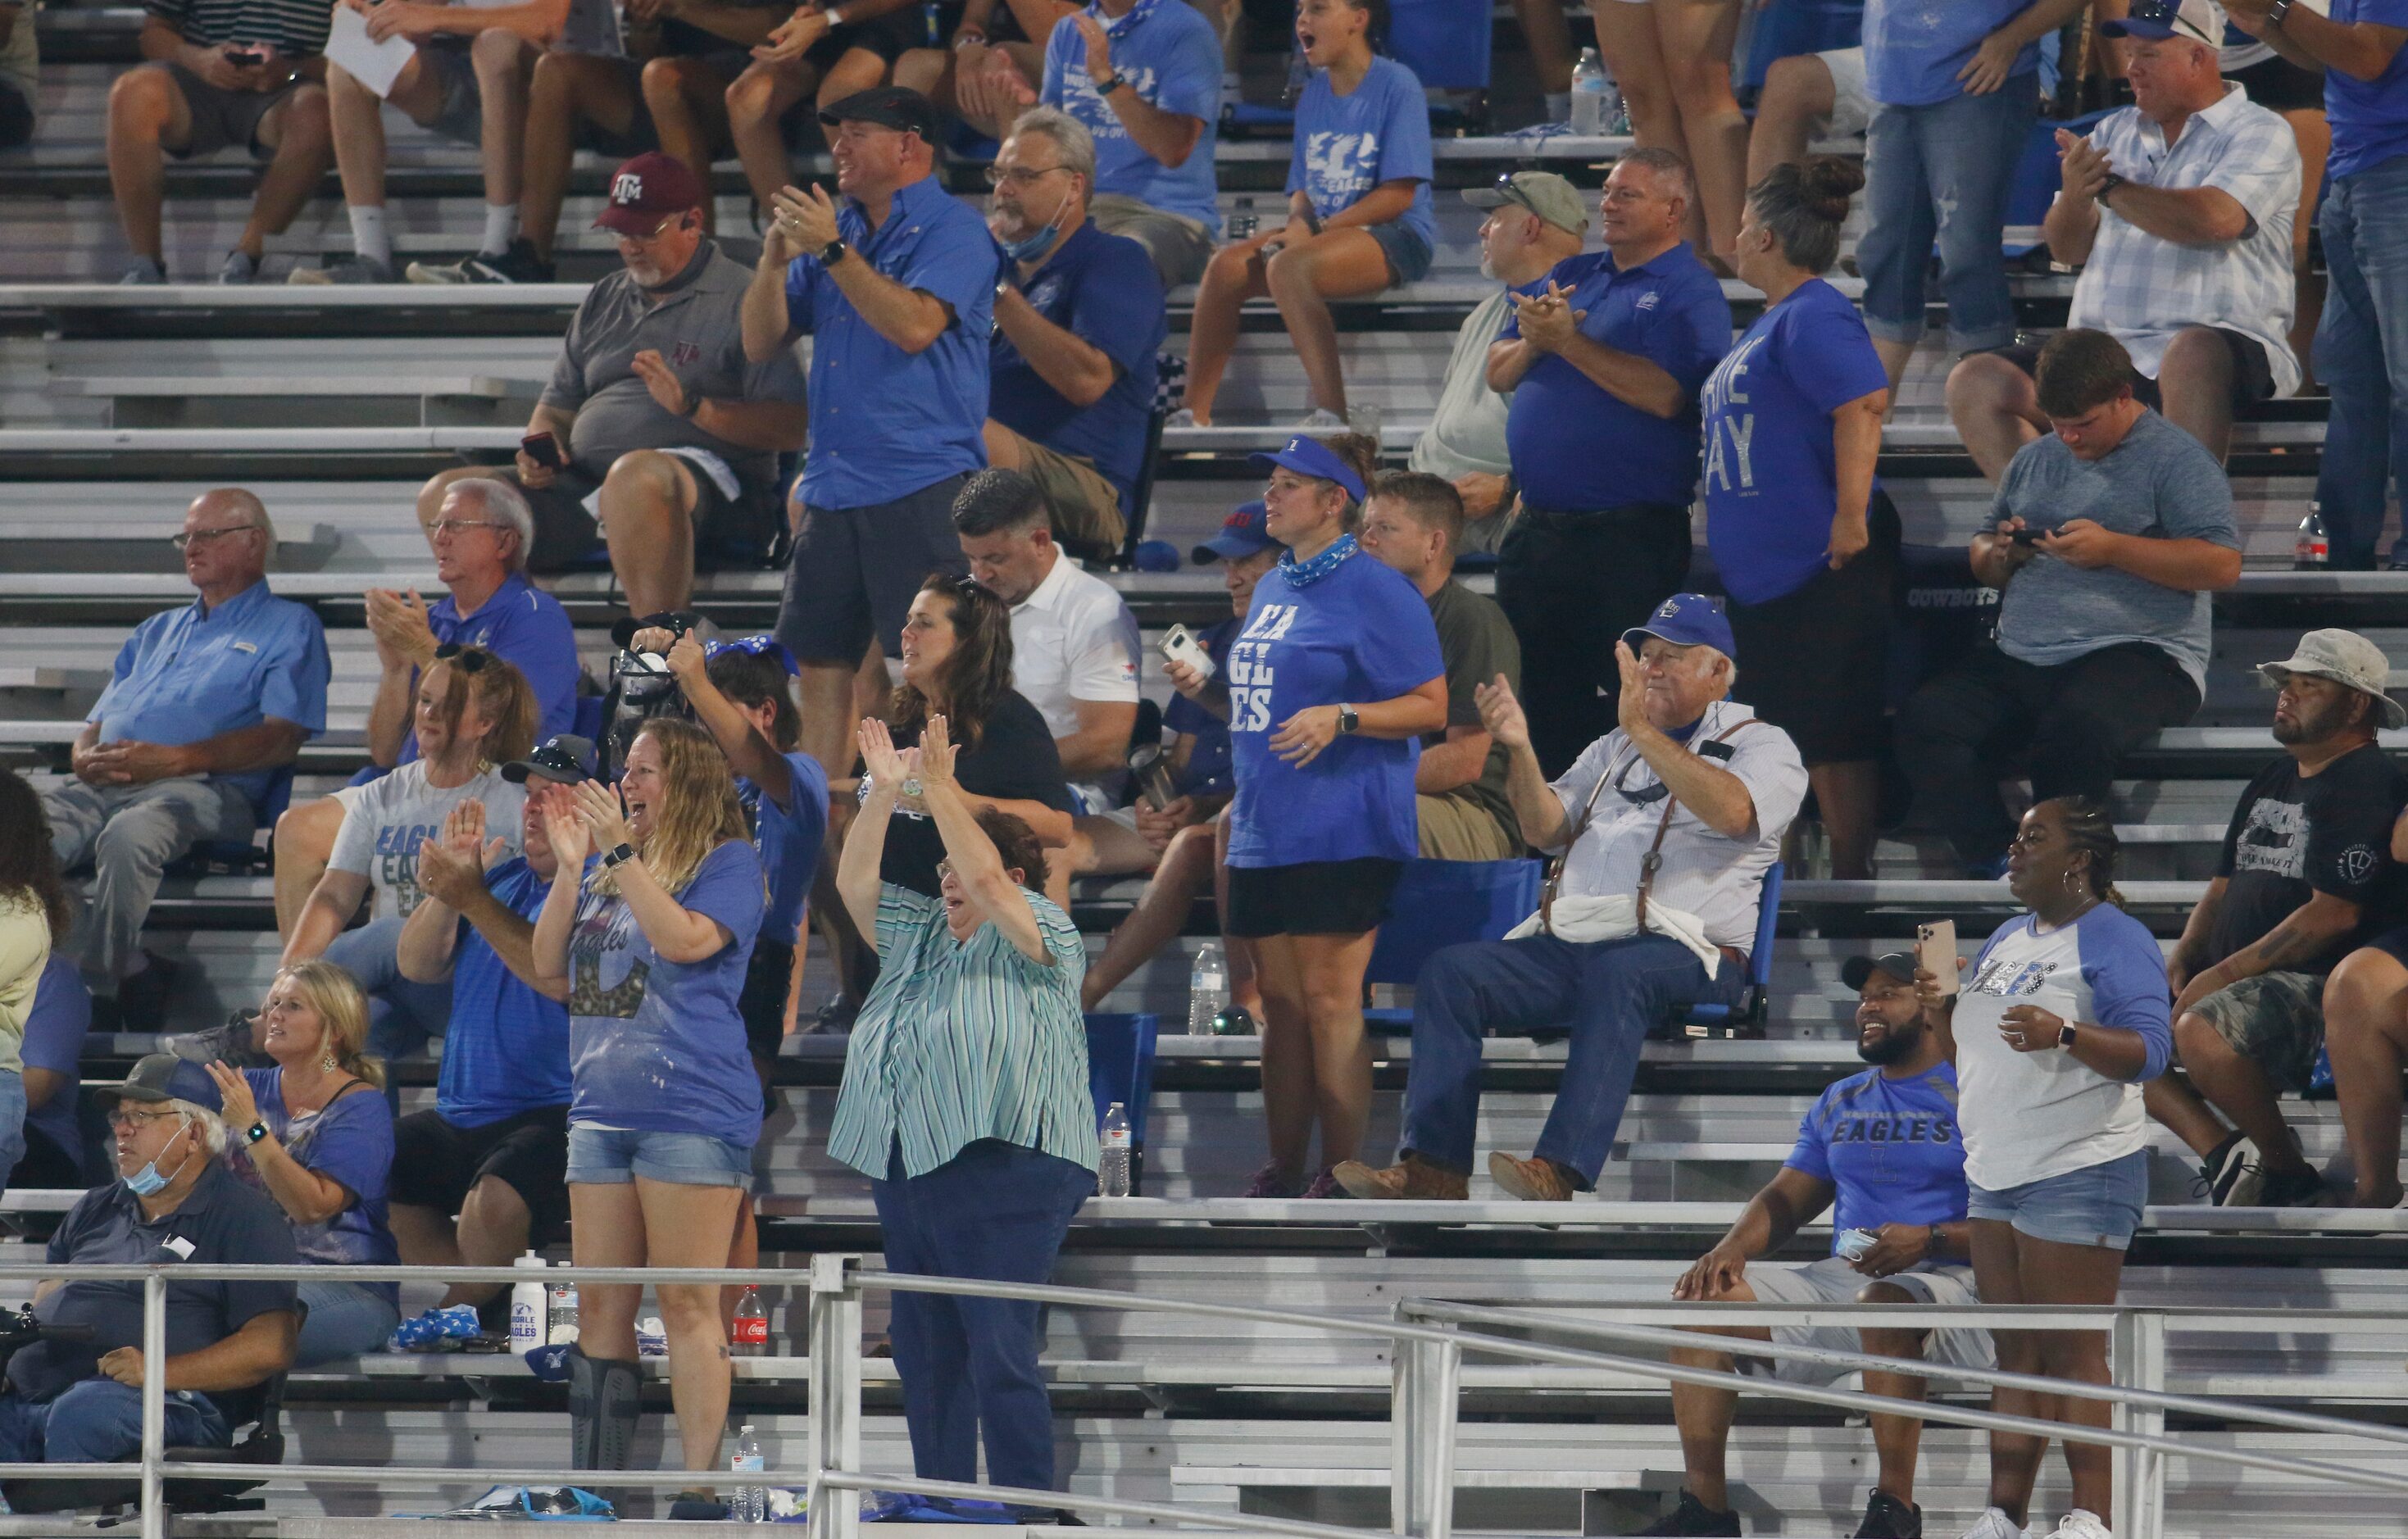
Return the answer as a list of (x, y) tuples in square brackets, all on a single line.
[(571, 841), (1501, 713), (805, 218), (879, 756), (1099, 45), (451, 867), (2082, 165), (1547, 321), (397, 621), (1630, 706), (932, 762), (237, 1107), (660, 380), (603, 813)]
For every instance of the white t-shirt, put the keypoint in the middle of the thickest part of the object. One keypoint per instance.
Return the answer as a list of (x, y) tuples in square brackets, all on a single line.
[(1074, 639), (392, 817)]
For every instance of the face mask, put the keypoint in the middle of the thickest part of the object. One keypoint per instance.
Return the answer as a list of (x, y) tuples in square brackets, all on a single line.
[(148, 1182), (1034, 246)]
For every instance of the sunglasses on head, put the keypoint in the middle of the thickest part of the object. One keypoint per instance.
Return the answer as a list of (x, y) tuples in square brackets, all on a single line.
[(469, 659), (1510, 191)]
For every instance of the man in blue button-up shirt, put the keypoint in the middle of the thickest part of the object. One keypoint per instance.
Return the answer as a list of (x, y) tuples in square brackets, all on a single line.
[(206, 703), (1603, 367), (894, 280)]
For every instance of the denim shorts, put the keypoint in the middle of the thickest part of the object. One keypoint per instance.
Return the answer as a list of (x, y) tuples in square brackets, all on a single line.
[(614, 1157), (2096, 1205), (1409, 255)]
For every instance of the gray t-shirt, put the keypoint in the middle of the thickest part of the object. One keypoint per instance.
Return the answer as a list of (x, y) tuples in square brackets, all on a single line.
[(1467, 434), (392, 817), (694, 326), (2159, 484)]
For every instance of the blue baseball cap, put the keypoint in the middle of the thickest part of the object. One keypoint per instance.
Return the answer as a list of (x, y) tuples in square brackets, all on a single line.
[(160, 1078), (1306, 456), (1242, 532), (2201, 21), (758, 646), (1685, 619)]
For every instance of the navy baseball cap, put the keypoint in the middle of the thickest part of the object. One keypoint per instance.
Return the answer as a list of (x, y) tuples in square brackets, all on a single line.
[(1897, 964), (1685, 619), (2201, 21), (1242, 534), (160, 1078), (898, 107), (1306, 456), (565, 760)]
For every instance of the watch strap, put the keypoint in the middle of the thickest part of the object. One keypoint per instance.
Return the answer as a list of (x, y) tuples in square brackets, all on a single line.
[(2276, 12), (619, 856), (2113, 182), (834, 252), (1110, 83), (2068, 1034), (253, 1133)]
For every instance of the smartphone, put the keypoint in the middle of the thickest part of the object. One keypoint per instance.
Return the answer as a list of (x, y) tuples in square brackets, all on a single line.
[(1935, 952), (2027, 536), (1178, 645), (544, 449)]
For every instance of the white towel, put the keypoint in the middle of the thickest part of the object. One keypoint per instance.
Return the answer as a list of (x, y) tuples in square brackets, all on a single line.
[(1582, 920)]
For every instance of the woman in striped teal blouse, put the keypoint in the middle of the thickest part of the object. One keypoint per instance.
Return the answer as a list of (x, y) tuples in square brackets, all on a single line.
[(965, 1102)]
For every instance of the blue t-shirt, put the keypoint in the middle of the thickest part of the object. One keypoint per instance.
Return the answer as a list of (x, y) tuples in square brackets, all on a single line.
[(789, 841), (1771, 478), (526, 628), (885, 422), (1889, 1148), (1170, 56), (658, 1046), (1669, 310), (53, 1040), (349, 1141), (1347, 144), (507, 1051), (1361, 633), (1914, 48), (1206, 773), (1103, 289), (2369, 117)]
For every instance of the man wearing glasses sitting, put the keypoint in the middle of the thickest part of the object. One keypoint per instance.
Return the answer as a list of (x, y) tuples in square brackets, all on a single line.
[(1663, 831), (204, 704)]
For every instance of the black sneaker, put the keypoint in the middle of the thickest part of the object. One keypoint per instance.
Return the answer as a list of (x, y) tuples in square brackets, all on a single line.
[(1692, 1518), (697, 1506), (1887, 1518), (2231, 1167), (2291, 1189), (230, 1044), (519, 264)]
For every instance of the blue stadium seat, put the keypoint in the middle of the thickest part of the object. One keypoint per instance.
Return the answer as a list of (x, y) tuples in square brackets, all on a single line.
[(1120, 1067), (587, 723), (1746, 1018), (2037, 178), (242, 854), (1439, 904), (1444, 42)]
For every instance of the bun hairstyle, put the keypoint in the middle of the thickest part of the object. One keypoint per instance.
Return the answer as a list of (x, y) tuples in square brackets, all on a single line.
[(2090, 831), (1804, 203), (1361, 452)]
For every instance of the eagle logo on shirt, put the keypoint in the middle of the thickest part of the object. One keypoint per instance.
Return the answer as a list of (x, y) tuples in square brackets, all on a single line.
[(1340, 165)]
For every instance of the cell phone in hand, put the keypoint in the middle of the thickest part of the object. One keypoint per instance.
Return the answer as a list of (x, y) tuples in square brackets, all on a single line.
[(247, 58), (1935, 952), (2027, 536), (544, 449), (1178, 645)]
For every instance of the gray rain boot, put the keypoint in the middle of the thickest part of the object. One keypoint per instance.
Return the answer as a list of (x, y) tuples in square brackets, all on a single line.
[(605, 1398)]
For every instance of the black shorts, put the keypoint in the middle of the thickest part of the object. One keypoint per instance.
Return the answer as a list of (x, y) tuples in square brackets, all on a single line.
[(2279, 85), (435, 1162), (2253, 375), (855, 569), (1311, 898), (566, 537), (1812, 662), (16, 116), (769, 978), (2392, 944)]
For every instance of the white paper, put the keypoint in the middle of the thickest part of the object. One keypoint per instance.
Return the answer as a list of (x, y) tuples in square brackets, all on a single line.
[(374, 64)]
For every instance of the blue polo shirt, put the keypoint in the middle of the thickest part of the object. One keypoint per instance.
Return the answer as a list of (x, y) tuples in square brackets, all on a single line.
[(193, 673), (1914, 48), (885, 422), (789, 840), (526, 627), (1171, 58), (1669, 310), (1347, 144), (507, 1051), (1103, 289), (2369, 117)]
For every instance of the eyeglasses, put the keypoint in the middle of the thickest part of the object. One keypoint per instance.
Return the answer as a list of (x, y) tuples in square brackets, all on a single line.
[(469, 659), (121, 1118), (944, 870), (1021, 178), (442, 527), (1644, 795), (202, 536)]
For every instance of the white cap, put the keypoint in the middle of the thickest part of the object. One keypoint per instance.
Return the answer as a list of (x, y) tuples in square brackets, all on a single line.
[(2345, 658)]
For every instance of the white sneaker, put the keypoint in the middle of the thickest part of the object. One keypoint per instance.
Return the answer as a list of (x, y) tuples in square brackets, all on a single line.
[(1322, 420), (1994, 1524), (2079, 1524), (1183, 418)]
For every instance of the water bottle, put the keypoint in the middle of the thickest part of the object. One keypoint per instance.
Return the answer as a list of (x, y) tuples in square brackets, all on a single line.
[(2313, 551), (1593, 96), (560, 1327), (1207, 990), (751, 1337), (751, 1503), (1112, 1171), (527, 1306)]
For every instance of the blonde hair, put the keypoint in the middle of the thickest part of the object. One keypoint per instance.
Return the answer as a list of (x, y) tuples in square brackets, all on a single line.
[(342, 1015), (698, 810)]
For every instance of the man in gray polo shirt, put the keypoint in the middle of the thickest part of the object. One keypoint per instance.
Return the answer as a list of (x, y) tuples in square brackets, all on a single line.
[(654, 423)]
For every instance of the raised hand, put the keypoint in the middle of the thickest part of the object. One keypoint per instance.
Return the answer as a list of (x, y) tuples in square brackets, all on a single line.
[(1501, 714)]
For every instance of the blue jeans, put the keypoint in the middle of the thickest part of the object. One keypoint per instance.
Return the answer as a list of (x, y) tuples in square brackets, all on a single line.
[(99, 1421), (12, 1121), (402, 1014), (1943, 173), (345, 1320), (1607, 994), (996, 1211), (2361, 355)]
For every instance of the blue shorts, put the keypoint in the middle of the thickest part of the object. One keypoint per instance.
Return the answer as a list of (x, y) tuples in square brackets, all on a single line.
[(614, 1157), (1409, 255), (2096, 1205)]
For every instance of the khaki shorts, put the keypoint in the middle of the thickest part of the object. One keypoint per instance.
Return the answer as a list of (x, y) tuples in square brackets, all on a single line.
[(1086, 508), (224, 119), (1456, 829), (1179, 246), (1832, 1280), (2275, 1021)]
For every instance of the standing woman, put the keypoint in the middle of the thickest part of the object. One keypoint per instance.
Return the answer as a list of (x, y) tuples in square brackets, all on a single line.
[(964, 1101), (650, 948), (2060, 1017), (1359, 212), (1672, 61), (1805, 538), (33, 919), (1333, 679), (317, 1137)]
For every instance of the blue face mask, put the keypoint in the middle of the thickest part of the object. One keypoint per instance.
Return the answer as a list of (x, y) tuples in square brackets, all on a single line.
[(1034, 246), (148, 1182)]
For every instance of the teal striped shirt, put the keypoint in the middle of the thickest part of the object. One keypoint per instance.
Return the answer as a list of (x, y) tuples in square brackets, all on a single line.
[(960, 1042)]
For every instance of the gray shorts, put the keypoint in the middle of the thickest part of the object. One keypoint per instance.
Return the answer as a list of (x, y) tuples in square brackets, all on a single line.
[(461, 118), (223, 120), (2275, 1021), (855, 569), (1179, 246), (1832, 1280)]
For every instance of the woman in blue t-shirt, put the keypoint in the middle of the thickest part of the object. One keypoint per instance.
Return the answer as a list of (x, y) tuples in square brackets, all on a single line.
[(1329, 687), (650, 945), (1805, 539), (1358, 213), (314, 1133)]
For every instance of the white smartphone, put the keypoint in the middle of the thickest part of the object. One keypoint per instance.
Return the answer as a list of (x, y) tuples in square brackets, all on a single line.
[(1935, 952), (1178, 645)]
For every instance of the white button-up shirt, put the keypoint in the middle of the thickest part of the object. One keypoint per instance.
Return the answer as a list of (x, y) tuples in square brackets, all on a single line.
[(1074, 639)]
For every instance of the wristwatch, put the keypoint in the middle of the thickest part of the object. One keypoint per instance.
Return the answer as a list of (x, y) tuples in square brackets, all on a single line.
[(1349, 720), (692, 406), (2113, 182), (2065, 1034), (2276, 12), (834, 252), (253, 1133), (1110, 83), (618, 856)]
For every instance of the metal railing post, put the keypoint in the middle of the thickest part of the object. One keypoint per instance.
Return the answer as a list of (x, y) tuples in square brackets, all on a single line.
[(835, 1433), (2137, 1361), (155, 1405), (1421, 1436)]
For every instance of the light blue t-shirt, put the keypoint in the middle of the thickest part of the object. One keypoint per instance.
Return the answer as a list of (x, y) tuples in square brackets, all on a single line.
[(658, 1046), (789, 840), (1771, 470), (1889, 1148), (349, 1141), (1347, 144), (1914, 48), (1171, 58), (2369, 117), (2158, 484)]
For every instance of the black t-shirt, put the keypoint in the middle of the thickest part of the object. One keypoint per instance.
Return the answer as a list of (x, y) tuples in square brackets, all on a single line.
[(2295, 835), (1015, 761)]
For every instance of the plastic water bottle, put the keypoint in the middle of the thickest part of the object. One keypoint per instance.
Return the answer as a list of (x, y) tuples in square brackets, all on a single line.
[(527, 1306), (560, 1326), (1112, 1171), (2313, 551), (1594, 96), (752, 1503), (1207, 990), (751, 1337)]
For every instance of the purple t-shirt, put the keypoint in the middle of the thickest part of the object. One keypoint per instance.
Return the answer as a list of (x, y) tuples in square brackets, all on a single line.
[(348, 1141)]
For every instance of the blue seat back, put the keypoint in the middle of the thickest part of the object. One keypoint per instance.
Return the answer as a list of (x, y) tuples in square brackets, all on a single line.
[(1767, 924), (1439, 904), (1120, 1066), (1444, 42), (2037, 178), (587, 721)]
